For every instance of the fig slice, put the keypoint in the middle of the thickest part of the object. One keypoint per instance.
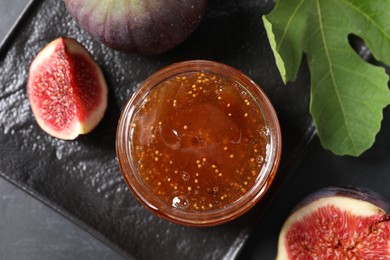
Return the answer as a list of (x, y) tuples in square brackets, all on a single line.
[(337, 223), (66, 89)]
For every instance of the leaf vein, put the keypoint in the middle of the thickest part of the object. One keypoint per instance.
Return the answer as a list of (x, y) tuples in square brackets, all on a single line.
[(368, 18), (369, 79), (366, 122), (288, 24), (358, 100), (326, 48)]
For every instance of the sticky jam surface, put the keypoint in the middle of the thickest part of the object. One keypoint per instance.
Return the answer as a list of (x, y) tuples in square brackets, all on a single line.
[(198, 141)]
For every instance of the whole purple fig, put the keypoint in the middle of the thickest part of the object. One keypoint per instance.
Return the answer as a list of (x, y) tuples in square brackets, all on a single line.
[(140, 26)]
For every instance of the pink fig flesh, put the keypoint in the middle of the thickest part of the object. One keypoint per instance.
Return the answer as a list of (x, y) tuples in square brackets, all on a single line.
[(66, 89), (337, 223)]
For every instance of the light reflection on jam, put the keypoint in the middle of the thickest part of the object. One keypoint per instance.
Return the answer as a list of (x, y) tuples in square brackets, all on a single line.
[(199, 141)]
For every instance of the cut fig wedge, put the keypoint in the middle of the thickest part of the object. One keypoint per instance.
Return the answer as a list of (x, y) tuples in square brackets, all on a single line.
[(337, 223), (66, 89)]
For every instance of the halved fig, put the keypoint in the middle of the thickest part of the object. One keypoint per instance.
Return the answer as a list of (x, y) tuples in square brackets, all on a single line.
[(66, 89), (337, 223), (141, 26)]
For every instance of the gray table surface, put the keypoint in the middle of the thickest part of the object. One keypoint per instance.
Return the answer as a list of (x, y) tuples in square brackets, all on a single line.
[(30, 229)]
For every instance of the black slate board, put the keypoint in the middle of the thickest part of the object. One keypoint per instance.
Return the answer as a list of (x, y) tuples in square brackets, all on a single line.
[(318, 169), (81, 178)]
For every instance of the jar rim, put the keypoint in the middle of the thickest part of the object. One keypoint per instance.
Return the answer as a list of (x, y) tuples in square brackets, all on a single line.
[(217, 215)]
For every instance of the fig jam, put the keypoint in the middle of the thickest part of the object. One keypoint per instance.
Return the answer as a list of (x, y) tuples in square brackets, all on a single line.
[(198, 141)]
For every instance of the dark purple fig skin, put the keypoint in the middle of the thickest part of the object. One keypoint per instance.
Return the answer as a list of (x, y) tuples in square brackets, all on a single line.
[(140, 26), (358, 193)]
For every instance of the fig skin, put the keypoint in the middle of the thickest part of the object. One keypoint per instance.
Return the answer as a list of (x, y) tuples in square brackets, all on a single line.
[(66, 89), (364, 233), (140, 26), (358, 193)]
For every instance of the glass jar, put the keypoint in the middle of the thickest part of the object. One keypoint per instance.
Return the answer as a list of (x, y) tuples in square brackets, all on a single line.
[(198, 143)]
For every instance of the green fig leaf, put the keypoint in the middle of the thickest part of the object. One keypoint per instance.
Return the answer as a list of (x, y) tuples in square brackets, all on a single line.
[(348, 94)]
